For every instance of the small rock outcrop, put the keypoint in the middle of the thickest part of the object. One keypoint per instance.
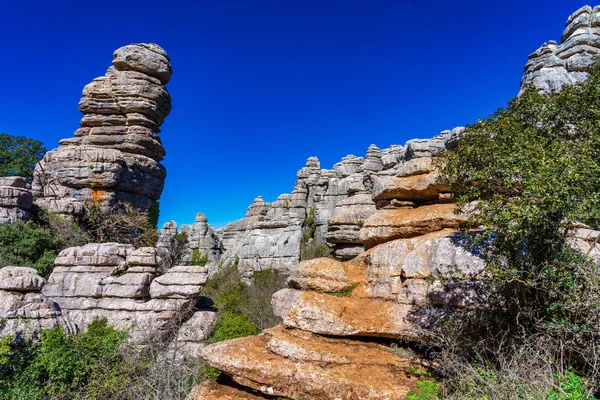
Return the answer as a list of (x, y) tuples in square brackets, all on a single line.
[(554, 65), (15, 199), (24, 310), (128, 287), (199, 237), (115, 155)]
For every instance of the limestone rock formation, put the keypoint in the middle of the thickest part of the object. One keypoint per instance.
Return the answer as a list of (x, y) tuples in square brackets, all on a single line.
[(554, 65), (126, 286), (416, 269), (23, 309), (115, 155), (341, 200), (15, 199), (199, 237)]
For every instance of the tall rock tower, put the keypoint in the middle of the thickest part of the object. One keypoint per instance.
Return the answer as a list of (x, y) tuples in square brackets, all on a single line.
[(554, 65), (115, 155)]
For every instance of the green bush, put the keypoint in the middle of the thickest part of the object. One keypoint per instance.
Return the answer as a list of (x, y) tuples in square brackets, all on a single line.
[(525, 174), (240, 302), (29, 245), (428, 390), (572, 387), (199, 259), (233, 325), (63, 366)]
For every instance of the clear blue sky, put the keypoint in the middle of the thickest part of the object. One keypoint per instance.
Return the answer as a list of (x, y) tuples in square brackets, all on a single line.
[(259, 86)]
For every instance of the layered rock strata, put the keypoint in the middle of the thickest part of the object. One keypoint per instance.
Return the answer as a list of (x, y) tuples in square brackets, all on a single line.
[(24, 310), (199, 237), (15, 199), (337, 315), (554, 65), (115, 155), (125, 286), (340, 199)]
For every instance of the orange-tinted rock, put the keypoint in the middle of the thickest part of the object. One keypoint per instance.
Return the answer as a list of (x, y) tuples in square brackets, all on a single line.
[(312, 367), (423, 187), (350, 316), (324, 275), (211, 390), (388, 225)]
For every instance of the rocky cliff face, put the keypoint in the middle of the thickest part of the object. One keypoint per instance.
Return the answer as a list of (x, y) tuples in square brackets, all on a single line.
[(15, 199), (115, 155), (554, 65)]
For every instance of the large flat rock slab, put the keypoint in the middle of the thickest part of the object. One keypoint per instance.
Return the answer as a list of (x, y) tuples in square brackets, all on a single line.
[(300, 365), (388, 225), (349, 316), (211, 390)]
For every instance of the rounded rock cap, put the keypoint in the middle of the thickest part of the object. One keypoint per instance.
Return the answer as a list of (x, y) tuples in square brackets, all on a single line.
[(200, 217), (147, 58)]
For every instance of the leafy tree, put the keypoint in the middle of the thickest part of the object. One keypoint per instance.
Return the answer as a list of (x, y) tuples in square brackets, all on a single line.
[(19, 155), (527, 173), (29, 245)]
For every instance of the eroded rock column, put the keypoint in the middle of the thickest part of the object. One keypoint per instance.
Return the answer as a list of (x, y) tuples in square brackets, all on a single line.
[(115, 155)]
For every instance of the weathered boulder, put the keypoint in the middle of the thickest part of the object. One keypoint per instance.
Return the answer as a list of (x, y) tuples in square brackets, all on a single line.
[(388, 225), (115, 155), (296, 364), (15, 199), (211, 390), (127, 287), (21, 279), (23, 309)]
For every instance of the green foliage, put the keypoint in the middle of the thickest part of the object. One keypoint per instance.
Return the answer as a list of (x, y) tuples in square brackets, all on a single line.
[(29, 245), (154, 213), (526, 174), (428, 390), (19, 155), (572, 387), (346, 292), (199, 259), (233, 325), (244, 304), (63, 366), (181, 238), (309, 227)]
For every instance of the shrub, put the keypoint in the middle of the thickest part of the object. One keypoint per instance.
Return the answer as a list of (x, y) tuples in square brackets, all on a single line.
[(29, 245), (428, 390), (121, 223), (199, 259), (154, 213), (238, 302), (233, 325), (66, 366), (525, 174)]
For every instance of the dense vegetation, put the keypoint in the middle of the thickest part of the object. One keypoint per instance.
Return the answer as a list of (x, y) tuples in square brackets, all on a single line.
[(19, 155), (528, 174), (244, 309)]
